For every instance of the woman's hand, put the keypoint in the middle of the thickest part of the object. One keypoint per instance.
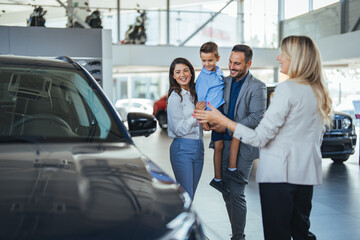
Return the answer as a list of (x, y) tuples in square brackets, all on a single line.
[(207, 116), (200, 105), (214, 116)]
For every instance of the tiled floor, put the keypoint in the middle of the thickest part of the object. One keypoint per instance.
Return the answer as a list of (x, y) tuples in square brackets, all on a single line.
[(336, 203)]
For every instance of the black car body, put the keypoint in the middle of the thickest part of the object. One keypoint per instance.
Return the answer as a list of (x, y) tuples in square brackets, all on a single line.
[(340, 139), (68, 166)]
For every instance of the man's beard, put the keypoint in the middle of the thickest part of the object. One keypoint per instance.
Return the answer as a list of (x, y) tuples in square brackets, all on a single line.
[(240, 73)]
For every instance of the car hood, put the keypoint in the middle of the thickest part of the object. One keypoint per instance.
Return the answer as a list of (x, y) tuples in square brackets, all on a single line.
[(342, 114), (83, 191)]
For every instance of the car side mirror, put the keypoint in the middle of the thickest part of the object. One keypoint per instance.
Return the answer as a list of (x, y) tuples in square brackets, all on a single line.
[(141, 124)]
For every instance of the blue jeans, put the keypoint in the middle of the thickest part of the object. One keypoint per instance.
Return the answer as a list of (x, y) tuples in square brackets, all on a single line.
[(187, 160)]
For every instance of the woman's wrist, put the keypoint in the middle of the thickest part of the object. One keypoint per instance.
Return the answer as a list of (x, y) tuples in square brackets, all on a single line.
[(231, 125)]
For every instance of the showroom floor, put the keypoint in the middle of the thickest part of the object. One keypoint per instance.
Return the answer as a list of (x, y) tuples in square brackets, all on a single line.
[(336, 203)]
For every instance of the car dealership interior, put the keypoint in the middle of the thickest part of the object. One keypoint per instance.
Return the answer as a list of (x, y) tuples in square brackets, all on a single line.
[(109, 60)]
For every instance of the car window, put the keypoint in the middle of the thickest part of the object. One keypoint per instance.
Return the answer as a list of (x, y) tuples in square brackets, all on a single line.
[(53, 105), (135, 104), (124, 104)]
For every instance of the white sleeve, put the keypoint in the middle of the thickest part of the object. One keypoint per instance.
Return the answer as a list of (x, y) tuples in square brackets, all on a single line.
[(273, 120), (177, 122)]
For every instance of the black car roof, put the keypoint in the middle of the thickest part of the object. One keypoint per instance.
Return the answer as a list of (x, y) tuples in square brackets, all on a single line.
[(35, 61)]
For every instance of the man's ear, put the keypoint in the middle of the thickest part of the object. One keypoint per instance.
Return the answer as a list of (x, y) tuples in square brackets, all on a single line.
[(218, 58), (248, 64)]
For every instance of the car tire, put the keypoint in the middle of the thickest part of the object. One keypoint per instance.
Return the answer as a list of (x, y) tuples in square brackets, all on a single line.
[(340, 159), (162, 120)]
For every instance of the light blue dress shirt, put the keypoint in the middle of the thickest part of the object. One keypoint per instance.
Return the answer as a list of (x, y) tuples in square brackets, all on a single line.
[(210, 87), (181, 123)]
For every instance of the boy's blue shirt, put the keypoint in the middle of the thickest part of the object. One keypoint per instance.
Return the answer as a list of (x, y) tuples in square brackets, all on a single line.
[(209, 87)]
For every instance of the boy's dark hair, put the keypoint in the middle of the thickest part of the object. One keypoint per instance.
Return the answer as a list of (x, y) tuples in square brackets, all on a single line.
[(245, 49), (210, 47)]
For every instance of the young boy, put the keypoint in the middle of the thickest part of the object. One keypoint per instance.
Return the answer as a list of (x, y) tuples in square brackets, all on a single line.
[(210, 88)]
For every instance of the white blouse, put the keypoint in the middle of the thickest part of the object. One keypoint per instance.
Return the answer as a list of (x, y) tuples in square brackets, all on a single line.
[(181, 123)]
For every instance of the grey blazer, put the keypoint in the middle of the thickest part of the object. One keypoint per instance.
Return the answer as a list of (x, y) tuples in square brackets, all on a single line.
[(249, 109)]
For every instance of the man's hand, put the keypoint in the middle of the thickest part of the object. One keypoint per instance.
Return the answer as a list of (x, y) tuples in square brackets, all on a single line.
[(205, 126), (218, 128)]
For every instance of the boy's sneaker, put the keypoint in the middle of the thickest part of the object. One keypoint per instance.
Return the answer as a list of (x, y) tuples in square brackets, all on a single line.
[(236, 175), (220, 186)]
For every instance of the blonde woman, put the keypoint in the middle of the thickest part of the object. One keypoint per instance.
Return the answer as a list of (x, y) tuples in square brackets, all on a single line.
[(290, 136)]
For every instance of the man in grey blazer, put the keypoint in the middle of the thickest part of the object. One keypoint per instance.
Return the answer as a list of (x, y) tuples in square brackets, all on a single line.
[(245, 102)]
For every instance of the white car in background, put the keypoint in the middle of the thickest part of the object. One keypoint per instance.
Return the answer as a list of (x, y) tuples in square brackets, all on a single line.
[(124, 106)]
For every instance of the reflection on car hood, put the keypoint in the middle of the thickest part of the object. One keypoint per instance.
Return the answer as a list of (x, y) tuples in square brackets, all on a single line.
[(82, 191)]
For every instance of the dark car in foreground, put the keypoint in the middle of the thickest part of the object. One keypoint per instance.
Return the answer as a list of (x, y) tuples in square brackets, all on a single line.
[(338, 143), (68, 166)]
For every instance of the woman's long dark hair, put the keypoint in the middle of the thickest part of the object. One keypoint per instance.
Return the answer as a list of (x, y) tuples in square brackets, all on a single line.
[(174, 86)]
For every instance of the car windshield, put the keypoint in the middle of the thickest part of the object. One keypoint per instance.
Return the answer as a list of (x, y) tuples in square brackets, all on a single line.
[(53, 105)]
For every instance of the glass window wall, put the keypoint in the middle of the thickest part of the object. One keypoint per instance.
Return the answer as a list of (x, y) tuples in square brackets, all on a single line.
[(322, 3), (184, 21), (260, 19), (341, 84), (155, 85), (261, 23), (140, 85), (295, 8)]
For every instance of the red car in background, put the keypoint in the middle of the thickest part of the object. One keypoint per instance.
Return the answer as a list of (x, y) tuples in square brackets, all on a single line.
[(160, 111)]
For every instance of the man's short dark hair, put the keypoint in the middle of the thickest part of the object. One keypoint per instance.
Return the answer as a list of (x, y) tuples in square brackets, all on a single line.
[(245, 49), (210, 47)]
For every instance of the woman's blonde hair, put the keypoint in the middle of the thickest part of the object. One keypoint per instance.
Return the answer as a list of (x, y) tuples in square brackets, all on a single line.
[(305, 64)]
